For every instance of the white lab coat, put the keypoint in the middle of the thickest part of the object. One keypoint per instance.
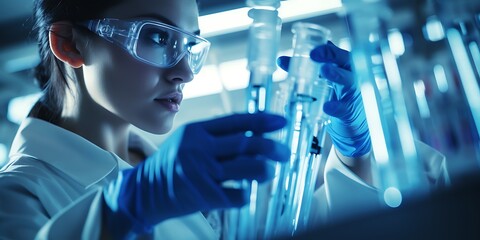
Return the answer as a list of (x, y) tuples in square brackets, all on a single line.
[(51, 188)]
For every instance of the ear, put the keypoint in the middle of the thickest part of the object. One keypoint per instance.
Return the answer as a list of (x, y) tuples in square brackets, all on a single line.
[(63, 45)]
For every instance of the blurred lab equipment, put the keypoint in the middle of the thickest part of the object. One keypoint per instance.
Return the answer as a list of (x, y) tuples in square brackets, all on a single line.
[(458, 94), (417, 66), (399, 170), (436, 46)]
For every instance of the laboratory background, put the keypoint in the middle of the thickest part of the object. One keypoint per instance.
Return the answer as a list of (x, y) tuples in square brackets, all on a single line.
[(417, 64)]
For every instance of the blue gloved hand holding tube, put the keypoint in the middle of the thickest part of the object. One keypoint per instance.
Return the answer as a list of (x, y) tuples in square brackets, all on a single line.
[(186, 174), (348, 128)]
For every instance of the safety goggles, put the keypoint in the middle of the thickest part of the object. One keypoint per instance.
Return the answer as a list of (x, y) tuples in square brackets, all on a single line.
[(154, 43)]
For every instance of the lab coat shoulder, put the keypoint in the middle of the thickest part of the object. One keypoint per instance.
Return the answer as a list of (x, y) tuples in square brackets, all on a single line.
[(82, 219), (31, 193), (342, 194), (50, 189)]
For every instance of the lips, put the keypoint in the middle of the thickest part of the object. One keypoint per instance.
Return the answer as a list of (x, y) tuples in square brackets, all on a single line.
[(171, 101)]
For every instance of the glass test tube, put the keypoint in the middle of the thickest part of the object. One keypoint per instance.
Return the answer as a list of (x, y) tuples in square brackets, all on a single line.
[(322, 91), (289, 185), (264, 38)]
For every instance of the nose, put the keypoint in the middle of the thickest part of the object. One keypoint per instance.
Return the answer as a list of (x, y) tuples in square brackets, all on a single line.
[(181, 72)]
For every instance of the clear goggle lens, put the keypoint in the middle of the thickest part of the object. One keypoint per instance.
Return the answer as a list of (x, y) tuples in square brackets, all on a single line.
[(155, 43)]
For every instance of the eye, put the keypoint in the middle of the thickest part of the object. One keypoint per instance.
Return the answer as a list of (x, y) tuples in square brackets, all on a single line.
[(189, 45), (157, 37)]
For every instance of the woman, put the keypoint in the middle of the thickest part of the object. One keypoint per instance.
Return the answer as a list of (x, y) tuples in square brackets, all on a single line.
[(76, 137), (75, 170)]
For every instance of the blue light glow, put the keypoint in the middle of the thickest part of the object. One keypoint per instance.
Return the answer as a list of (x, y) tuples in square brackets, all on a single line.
[(467, 75), (440, 78), (419, 88), (392, 197), (3, 154), (395, 40), (379, 145), (433, 29), (475, 55)]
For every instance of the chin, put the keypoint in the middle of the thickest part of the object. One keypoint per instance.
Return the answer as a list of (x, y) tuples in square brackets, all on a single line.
[(156, 124), (161, 131), (156, 127)]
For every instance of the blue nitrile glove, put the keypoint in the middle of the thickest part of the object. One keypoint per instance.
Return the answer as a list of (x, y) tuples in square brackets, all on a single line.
[(348, 128), (186, 174)]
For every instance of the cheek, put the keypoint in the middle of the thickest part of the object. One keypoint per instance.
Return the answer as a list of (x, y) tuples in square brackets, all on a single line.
[(115, 78), (117, 82)]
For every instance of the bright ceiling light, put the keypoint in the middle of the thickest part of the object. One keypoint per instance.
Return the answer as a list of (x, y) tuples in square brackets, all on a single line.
[(224, 22), (289, 11), (206, 82), (293, 10), (235, 75)]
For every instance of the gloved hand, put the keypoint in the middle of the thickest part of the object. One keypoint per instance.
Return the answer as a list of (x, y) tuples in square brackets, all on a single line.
[(186, 174), (348, 128)]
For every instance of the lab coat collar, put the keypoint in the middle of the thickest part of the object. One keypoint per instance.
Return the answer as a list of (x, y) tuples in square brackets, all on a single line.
[(70, 153)]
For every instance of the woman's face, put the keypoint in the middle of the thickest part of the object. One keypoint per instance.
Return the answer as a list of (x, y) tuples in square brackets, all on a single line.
[(146, 96)]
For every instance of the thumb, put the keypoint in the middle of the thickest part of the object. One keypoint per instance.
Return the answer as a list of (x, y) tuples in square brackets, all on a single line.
[(335, 109), (329, 53)]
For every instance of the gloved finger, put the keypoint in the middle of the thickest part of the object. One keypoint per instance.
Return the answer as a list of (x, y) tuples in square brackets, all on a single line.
[(237, 197), (197, 181), (336, 109), (283, 62), (329, 53), (198, 163), (204, 192), (232, 145), (249, 168), (257, 123), (337, 75)]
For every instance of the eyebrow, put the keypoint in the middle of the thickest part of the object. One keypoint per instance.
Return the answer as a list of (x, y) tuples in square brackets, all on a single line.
[(164, 20)]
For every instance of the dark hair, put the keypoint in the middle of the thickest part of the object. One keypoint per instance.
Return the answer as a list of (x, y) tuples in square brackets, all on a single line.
[(49, 74)]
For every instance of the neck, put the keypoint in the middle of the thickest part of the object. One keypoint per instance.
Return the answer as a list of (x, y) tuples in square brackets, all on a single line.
[(108, 136), (86, 118)]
